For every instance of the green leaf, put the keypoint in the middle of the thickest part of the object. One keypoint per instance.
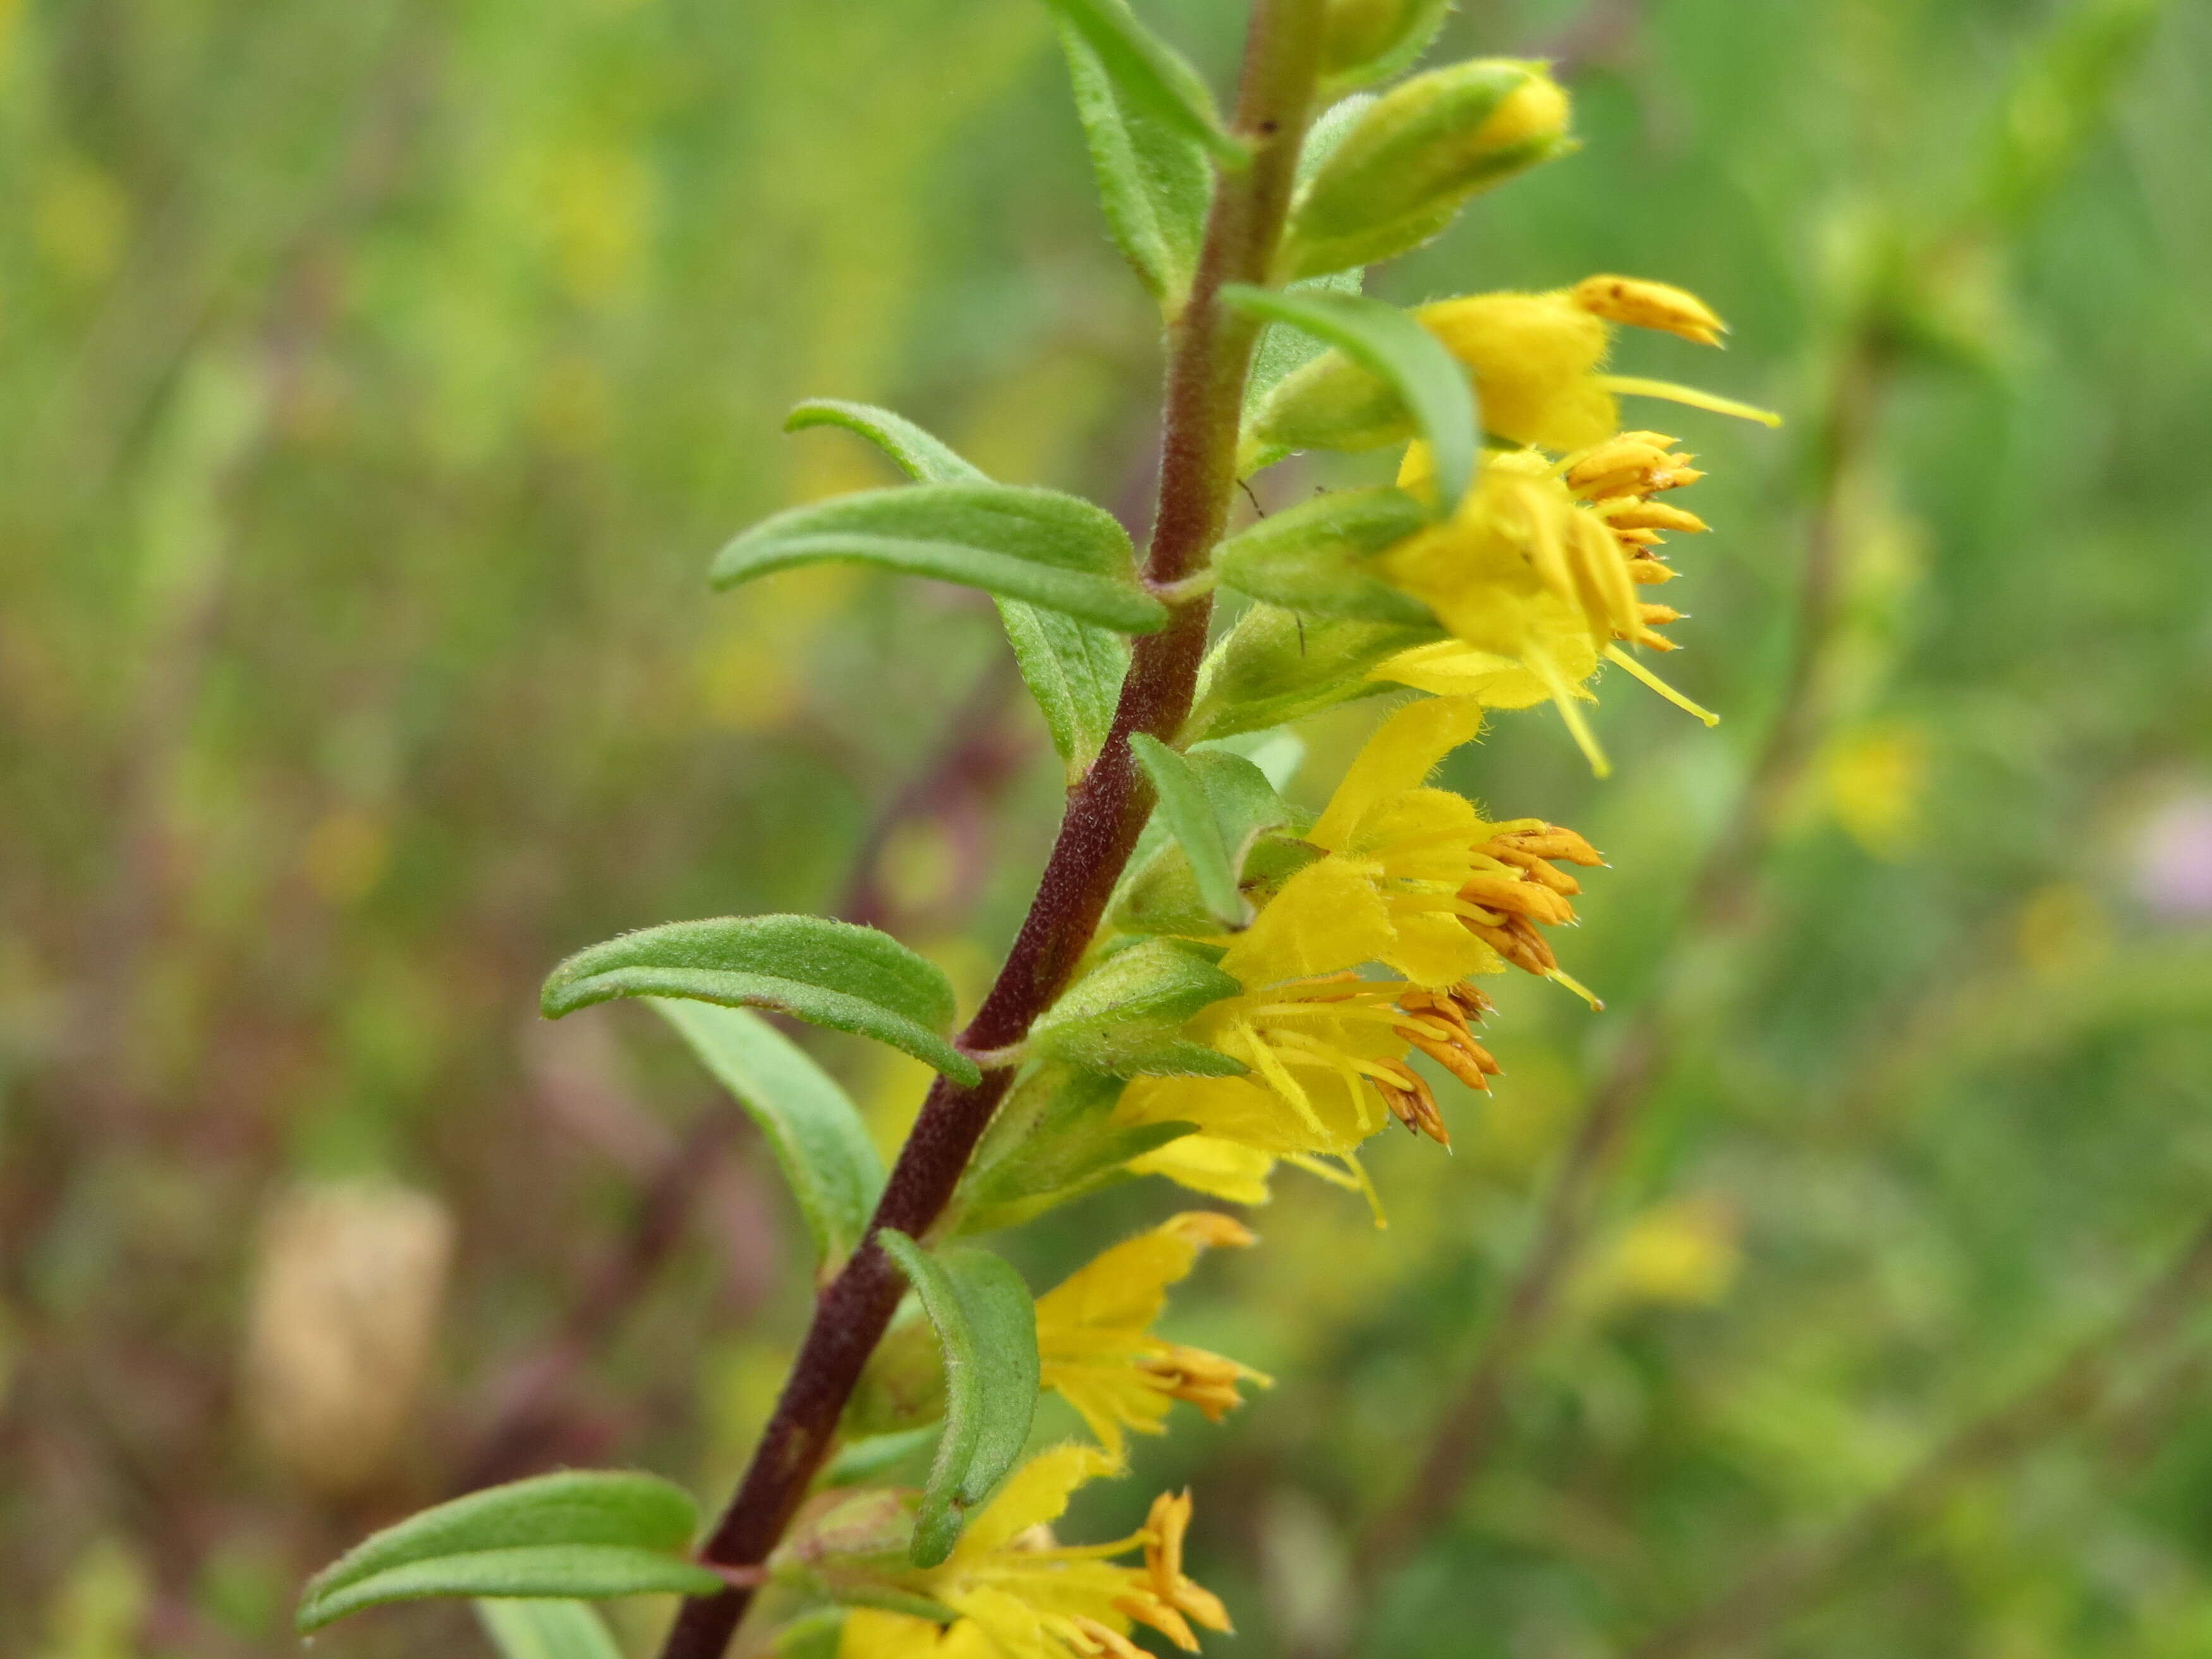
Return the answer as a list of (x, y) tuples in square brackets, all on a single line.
[(1074, 669), (1314, 557), (827, 972), (1126, 1015), (1388, 343), (1214, 805), (812, 1127), (546, 1630), (579, 1532), (1190, 819), (988, 1325), (1149, 75), (1036, 545), (922, 456), (1054, 1142), (1154, 181), (1276, 665)]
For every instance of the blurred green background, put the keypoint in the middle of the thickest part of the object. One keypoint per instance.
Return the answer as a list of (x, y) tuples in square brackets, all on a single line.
[(376, 378)]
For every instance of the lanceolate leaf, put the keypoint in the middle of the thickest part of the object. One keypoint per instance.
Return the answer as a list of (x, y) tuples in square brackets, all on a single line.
[(576, 1534), (546, 1630), (827, 972), (1074, 669), (1036, 546), (988, 1326), (811, 1126), (1388, 343), (1154, 181), (1190, 819), (1215, 805), (923, 457), (1314, 557), (1148, 75)]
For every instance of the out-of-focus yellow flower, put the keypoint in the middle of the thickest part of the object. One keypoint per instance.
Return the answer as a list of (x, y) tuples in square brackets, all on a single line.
[(1095, 1338), (1019, 1594), (1411, 878), (1684, 1253), (1875, 781), (1536, 358)]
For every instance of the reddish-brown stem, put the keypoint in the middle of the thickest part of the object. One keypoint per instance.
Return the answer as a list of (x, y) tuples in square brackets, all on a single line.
[(1210, 353)]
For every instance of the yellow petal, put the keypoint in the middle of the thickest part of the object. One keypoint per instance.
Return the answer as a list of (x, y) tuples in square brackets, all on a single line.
[(1327, 916), (1432, 949), (1401, 754), (1037, 1494), (1207, 1163)]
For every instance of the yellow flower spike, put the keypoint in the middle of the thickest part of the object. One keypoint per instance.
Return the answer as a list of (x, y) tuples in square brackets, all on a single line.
[(1094, 1334), (1018, 1594), (1411, 878)]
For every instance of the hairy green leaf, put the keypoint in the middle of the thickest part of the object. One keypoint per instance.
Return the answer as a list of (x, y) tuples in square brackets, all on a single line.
[(579, 1533), (988, 1325), (1314, 557), (1390, 343), (1276, 665), (1149, 74), (811, 1125), (1154, 181), (922, 455), (1074, 669), (827, 972), (530, 1629), (1036, 545)]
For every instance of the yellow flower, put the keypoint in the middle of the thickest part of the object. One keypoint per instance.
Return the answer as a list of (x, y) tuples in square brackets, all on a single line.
[(1412, 878), (1094, 1334), (1536, 576), (1536, 358), (1019, 1594)]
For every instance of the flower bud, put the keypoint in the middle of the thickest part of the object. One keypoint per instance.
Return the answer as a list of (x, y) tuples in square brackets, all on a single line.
[(1418, 154)]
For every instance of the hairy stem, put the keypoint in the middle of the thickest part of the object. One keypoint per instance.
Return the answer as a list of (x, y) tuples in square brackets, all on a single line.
[(1719, 902), (1210, 355)]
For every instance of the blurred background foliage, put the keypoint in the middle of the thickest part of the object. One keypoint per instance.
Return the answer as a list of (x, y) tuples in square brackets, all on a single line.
[(375, 378)]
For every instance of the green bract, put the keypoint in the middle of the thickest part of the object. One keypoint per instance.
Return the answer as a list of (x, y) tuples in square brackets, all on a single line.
[(1314, 557), (1276, 665), (1428, 382), (1417, 155)]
